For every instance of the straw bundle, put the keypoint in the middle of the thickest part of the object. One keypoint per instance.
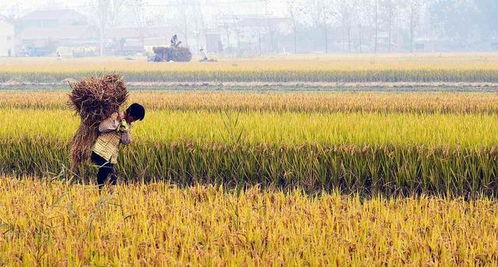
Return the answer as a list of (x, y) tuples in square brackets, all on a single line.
[(177, 54), (94, 100), (180, 54)]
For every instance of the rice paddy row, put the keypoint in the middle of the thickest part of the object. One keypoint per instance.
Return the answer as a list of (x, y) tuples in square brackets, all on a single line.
[(355, 68), (444, 154), (479, 75), (279, 128), (322, 102), (60, 224)]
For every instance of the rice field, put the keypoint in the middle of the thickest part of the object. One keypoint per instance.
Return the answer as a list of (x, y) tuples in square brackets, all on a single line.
[(373, 143), (367, 177), (54, 223), (311, 102), (337, 68), (286, 128)]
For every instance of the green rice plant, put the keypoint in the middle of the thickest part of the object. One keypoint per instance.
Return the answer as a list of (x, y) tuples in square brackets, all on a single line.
[(354, 152), (286, 128), (378, 169)]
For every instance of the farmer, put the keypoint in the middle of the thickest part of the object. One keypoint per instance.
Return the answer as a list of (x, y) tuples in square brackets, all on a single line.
[(174, 41), (204, 55), (113, 131)]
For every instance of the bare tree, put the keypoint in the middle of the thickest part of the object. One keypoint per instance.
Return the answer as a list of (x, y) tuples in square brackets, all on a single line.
[(361, 11), (270, 28), (102, 10), (414, 10), (321, 14), (199, 24), (140, 19), (12, 12), (376, 18), (183, 17), (294, 9), (107, 12), (344, 14), (390, 10)]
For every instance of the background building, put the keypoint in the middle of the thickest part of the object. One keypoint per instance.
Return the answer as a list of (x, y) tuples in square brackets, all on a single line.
[(42, 32), (7, 38)]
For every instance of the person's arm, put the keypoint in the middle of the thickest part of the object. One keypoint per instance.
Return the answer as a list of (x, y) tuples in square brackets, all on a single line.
[(126, 138), (124, 129), (109, 125)]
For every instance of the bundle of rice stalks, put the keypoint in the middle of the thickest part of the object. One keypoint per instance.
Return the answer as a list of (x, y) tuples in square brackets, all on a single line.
[(94, 100), (178, 54)]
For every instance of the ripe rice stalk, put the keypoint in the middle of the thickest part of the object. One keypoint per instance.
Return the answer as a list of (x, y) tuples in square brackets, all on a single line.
[(297, 102), (476, 68), (264, 227)]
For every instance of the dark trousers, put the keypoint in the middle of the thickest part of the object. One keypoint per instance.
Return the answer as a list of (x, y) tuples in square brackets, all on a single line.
[(106, 170)]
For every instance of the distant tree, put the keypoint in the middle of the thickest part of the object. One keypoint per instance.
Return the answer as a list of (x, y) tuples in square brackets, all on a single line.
[(140, 15), (199, 24), (376, 23), (183, 12), (364, 13), (489, 14), (270, 27), (11, 12), (295, 10), (414, 10), (390, 11), (321, 14), (457, 20), (344, 13), (107, 13)]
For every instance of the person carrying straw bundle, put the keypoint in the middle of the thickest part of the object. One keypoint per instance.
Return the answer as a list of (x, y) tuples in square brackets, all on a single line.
[(103, 127)]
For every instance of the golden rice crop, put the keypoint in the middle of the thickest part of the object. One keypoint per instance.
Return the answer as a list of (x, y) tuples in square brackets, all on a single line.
[(53, 223), (259, 178), (352, 68), (435, 102)]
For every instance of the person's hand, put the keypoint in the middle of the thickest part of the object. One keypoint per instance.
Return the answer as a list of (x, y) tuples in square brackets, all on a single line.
[(123, 126)]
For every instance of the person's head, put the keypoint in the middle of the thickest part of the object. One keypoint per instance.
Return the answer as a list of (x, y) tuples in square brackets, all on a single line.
[(135, 112)]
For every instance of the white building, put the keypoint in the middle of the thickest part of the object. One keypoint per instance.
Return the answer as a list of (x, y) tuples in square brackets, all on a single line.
[(7, 38)]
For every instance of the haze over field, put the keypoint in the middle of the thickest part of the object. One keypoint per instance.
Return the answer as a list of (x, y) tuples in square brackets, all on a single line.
[(250, 27)]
